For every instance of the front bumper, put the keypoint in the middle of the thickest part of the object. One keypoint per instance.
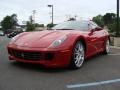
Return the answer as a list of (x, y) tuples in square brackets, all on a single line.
[(61, 57)]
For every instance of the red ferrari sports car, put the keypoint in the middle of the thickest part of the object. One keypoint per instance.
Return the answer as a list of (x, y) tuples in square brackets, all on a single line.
[(66, 44)]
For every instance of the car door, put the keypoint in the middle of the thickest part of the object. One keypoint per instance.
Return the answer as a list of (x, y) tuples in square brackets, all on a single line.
[(94, 39), (97, 34)]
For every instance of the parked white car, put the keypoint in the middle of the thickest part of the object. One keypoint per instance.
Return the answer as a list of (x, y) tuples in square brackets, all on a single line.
[(2, 33)]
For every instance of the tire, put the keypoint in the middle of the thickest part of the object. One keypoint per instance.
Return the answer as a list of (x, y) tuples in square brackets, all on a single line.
[(78, 56), (107, 47)]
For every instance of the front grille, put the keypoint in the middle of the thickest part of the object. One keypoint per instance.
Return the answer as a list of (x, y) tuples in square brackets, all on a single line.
[(35, 56)]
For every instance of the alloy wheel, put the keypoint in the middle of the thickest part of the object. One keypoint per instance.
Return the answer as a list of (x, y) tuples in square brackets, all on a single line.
[(78, 55)]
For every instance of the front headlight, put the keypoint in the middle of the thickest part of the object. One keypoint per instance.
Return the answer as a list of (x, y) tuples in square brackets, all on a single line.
[(58, 41)]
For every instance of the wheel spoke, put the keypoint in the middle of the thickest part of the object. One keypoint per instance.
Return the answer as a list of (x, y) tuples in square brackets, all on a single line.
[(107, 47), (79, 55)]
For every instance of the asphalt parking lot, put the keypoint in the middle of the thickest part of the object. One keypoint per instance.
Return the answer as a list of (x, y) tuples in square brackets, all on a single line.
[(101, 72)]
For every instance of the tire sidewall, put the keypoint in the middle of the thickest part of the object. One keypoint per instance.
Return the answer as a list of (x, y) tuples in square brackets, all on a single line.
[(72, 64)]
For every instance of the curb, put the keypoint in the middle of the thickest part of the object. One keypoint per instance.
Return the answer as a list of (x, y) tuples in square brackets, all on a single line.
[(115, 47)]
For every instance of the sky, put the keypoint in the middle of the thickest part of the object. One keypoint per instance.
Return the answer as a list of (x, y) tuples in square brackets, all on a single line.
[(83, 9)]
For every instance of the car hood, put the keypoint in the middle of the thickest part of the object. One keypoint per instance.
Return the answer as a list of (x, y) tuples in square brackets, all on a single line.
[(41, 39)]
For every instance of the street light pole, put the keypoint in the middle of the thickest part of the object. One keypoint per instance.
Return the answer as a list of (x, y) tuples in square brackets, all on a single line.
[(117, 33), (52, 12), (33, 16)]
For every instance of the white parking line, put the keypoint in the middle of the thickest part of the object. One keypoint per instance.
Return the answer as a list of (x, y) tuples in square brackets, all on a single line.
[(114, 54), (93, 84)]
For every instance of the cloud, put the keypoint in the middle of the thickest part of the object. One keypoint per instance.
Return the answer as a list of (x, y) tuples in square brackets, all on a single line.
[(62, 8)]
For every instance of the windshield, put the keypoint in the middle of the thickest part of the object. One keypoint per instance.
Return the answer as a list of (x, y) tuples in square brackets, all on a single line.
[(77, 25)]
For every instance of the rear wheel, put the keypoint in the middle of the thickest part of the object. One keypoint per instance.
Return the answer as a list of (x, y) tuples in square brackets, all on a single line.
[(107, 47), (78, 55)]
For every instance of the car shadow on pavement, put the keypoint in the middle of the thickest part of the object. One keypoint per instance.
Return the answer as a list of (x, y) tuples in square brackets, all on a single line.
[(94, 57), (38, 68)]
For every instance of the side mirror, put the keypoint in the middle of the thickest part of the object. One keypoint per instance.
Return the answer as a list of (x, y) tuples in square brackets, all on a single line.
[(98, 28)]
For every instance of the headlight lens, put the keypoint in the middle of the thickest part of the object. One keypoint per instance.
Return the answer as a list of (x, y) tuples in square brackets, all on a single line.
[(58, 41)]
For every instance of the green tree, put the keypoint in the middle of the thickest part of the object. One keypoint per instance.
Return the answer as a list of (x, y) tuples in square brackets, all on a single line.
[(39, 25), (112, 27), (109, 18), (99, 20), (6, 23), (9, 22), (14, 19), (50, 25), (30, 26)]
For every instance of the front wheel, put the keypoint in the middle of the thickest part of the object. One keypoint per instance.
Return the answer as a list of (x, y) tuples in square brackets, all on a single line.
[(78, 55)]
